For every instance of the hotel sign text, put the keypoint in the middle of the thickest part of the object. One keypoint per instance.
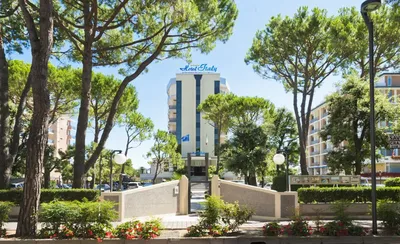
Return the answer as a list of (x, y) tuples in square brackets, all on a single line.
[(198, 68)]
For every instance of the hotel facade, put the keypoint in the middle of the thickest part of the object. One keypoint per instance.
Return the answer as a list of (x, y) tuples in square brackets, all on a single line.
[(195, 135), (317, 149)]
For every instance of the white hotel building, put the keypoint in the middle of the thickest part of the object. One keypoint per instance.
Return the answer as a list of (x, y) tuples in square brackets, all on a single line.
[(185, 92), (317, 150)]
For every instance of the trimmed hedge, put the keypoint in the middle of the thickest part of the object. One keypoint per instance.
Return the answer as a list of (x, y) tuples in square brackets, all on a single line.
[(352, 194), (392, 182), (48, 195)]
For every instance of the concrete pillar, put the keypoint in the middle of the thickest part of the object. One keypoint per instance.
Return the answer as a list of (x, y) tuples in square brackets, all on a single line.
[(183, 195), (215, 188)]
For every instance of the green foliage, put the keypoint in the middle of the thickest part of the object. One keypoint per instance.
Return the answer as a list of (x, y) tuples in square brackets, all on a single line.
[(246, 151), (279, 183), (49, 195), (76, 219), (386, 55), (339, 209), (297, 227), (164, 152), (351, 194), (272, 229), (138, 230), (5, 208), (338, 228), (278, 52), (218, 212), (392, 182), (349, 117), (389, 213)]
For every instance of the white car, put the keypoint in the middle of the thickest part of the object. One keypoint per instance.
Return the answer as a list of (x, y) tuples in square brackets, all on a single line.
[(133, 185)]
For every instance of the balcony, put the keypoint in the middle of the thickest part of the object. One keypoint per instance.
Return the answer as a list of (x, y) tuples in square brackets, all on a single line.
[(50, 142), (314, 131), (314, 153), (172, 120), (314, 142), (314, 120), (326, 150), (324, 114), (172, 106), (314, 164)]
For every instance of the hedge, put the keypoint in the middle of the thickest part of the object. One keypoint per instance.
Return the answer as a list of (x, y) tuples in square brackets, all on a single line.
[(352, 194), (392, 182), (48, 195)]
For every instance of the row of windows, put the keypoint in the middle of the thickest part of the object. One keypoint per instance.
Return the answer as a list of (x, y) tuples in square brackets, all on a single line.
[(178, 111), (217, 90), (198, 97)]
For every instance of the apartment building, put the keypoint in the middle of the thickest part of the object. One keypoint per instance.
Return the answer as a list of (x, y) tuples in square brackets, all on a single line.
[(60, 136), (317, 149)]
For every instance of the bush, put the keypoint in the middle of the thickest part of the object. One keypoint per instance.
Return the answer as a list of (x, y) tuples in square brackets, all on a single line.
[(339, 210), (234, 215), (389, 213), (391, 182), (5, 208), (350, 194), (279, 183), (338, 228), (138, 230), (272, 229), (76, 219), (218, 212), (49, 195), (297, 227)]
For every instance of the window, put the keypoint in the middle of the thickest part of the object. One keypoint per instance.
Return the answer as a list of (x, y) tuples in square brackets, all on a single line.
[(389, 81)]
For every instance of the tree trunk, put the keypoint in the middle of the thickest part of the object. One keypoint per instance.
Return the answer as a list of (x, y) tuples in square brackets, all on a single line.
[(41, 40), (252, 179), (218, 151), (46, 183), (5, 172), (155, 174), (113, 109), (79, 160)]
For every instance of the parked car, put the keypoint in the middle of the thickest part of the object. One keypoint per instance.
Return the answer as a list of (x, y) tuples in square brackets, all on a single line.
[(268, 186), (17, 185), (133, 185), (103, 187)]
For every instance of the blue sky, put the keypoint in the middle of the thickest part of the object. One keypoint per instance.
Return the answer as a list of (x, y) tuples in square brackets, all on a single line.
[(229, 58)]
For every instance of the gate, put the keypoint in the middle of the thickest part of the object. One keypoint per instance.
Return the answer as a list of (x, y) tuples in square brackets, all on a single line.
[(199, 184)]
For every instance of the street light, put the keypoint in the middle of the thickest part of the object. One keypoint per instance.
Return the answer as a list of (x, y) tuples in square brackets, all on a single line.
[(367, 7), (279, 159), (88, 180), (119, 159)]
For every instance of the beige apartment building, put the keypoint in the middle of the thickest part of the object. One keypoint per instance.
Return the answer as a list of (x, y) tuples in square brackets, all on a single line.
[(317, 149), (60, 136)]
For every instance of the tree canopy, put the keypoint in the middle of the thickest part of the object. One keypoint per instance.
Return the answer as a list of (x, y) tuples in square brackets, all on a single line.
[(300, 52), (349, 123)]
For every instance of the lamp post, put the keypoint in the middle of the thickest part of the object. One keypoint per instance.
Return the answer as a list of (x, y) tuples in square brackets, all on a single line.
[(88, 180), (119, 159), (367, 7), (279, 159)]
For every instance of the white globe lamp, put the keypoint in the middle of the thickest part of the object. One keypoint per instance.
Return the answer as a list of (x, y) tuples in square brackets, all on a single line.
[(120, 158), (279, 159)]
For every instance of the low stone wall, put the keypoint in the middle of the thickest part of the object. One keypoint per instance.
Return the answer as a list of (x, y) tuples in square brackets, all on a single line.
[(234, 240), (267, 204), (147, 201), (355, 210)]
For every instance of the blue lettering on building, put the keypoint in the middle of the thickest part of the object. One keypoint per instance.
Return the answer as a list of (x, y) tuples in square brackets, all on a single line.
[(199, 68)]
